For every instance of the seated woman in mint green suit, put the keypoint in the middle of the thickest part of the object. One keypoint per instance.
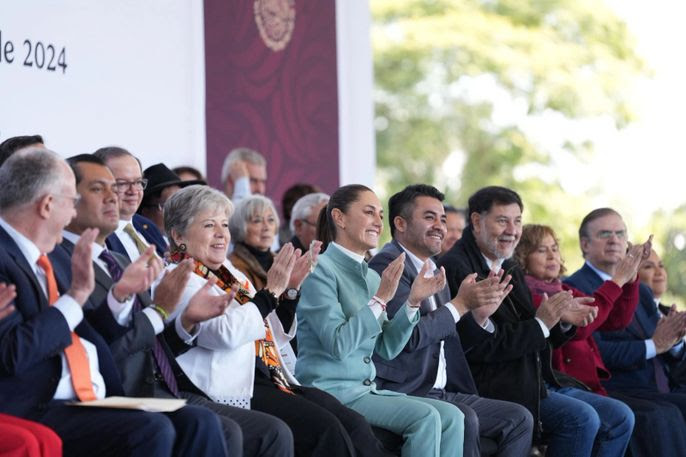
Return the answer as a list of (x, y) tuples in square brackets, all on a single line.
[(342, 321)]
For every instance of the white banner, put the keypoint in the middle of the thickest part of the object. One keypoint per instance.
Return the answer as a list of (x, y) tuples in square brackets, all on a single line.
[(86, 74)]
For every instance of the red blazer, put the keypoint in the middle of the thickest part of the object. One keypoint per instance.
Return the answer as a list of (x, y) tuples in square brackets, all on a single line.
[(580, 357)]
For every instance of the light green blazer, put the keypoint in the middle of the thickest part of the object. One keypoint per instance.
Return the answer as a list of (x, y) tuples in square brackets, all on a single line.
[(337, 331)]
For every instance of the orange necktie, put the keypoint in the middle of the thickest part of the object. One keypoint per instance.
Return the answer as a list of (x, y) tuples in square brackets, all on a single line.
[(77, 359)]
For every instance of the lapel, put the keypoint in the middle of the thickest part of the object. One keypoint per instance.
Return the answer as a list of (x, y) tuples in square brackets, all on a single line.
[(114, 244), (15, 253)]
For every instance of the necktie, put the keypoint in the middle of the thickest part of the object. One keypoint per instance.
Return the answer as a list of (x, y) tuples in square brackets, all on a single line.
[(140, 245), (76, 356), (161, 359)]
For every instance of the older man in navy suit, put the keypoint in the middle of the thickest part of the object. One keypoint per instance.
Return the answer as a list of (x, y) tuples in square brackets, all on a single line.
[(49, 356), (433, 363), (640, 356)]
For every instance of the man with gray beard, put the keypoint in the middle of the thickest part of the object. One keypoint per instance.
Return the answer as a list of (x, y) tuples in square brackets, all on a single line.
[(515, 363)]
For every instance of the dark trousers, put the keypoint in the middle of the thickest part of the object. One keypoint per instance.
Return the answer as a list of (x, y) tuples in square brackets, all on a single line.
[(321, 425), (263, 434), (508, 424), (111, 432), (660, 428)]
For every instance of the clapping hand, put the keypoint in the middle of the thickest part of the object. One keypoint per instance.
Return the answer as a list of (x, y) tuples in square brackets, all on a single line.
[(138, 276), (279, 274), (390, 278), (304, 265), (425, 285), (170, 288), (7, 294), (205, 305), (579, 313), (82, 274), (552, 308)]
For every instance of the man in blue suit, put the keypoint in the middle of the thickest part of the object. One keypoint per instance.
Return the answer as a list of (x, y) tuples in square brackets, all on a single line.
[(433, 363), (49, 356), (134, 232), (640, 356)]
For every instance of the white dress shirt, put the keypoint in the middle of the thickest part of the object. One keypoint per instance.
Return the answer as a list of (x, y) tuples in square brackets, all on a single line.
[(72, 313)]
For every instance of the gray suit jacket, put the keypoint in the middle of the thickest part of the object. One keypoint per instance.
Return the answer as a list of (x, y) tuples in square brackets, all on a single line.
[(414, 370), (132, 345)]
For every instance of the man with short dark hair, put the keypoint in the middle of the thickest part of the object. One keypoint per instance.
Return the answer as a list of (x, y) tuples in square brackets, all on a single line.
[(433, 364), (135, 232), (640, 356), (515, 363)]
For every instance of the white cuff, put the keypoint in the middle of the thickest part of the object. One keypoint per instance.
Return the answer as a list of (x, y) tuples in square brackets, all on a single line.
[(410, 311), (544, 328), (489, 326), (70, 309), (120, 311), (453, 311), (241, 189), (376, 308), (651, 351), (183, 334), (155, 320)]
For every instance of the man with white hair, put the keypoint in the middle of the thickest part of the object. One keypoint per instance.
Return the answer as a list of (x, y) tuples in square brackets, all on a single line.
[(304, 219), (244, 173)]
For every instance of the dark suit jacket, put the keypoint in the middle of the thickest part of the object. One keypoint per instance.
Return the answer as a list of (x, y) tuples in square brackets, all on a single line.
[(132, 345), (414, 370), (514, 362), (145, 227), (624, 351), (33, 337)]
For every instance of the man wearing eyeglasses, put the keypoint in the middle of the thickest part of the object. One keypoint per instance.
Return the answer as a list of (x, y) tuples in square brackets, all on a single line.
[(304, 219), (135, 232), (639, 357)]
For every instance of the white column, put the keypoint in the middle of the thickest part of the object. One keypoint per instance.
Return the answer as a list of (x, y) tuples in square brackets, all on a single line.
[(356, 145)]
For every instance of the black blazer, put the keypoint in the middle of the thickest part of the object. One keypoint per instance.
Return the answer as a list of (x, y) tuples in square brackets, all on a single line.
[(414, 370), (33, 337), (132, 345), (514, 363)]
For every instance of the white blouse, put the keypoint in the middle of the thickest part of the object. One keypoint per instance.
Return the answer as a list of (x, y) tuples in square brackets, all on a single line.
[(222, 364)]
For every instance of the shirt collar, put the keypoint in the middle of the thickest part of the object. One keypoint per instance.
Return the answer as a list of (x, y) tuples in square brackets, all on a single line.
[(353, 255), (27, 247), (74, 238), (417, 262), (493, 265), (604, 276), (122, 224)]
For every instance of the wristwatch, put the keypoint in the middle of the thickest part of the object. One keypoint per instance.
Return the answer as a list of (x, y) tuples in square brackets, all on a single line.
[(291, 293)]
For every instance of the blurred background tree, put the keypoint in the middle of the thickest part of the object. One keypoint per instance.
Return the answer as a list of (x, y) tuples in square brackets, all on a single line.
[(465, 89)]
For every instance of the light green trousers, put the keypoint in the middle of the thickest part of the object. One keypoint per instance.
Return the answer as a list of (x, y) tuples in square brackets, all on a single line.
[(431, 428)]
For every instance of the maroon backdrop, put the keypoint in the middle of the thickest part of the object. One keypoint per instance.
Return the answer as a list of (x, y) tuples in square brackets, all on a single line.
[(281, 103)]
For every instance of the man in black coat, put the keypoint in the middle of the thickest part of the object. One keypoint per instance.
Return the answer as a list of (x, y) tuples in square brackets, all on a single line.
[(432, 363), (515, 363)]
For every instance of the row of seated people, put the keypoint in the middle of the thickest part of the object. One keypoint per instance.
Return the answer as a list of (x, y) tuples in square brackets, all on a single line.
[(400, 344)]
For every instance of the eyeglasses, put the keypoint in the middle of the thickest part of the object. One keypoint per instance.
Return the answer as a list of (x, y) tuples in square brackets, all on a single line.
[(74, 198), (606, 234), (311, 224), (122, 185)]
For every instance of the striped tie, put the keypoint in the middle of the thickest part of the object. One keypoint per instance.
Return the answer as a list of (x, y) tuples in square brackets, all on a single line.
[(163, 364)]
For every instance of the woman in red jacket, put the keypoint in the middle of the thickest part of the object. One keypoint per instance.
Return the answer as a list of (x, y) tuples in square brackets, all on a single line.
[(616, 301)]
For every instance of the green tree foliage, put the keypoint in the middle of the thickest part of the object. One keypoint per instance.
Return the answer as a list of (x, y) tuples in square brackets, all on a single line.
[(443, 70)]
